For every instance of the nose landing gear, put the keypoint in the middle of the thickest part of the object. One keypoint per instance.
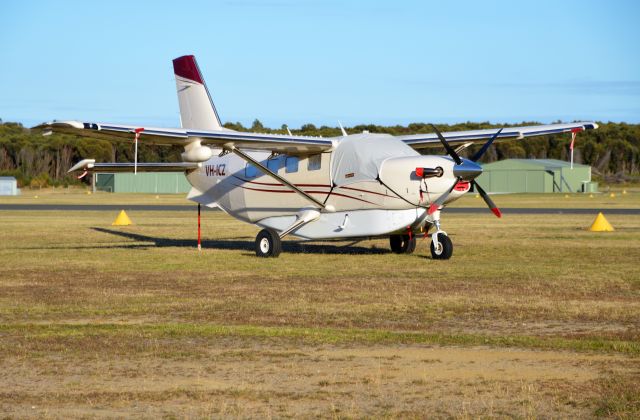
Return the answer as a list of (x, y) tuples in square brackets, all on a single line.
[(441, 245)]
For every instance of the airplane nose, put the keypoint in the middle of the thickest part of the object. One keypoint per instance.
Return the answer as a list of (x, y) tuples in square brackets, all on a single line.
[(467, 170)]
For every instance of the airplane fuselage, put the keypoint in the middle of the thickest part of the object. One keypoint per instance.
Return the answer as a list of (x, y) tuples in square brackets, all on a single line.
[(394, 201)]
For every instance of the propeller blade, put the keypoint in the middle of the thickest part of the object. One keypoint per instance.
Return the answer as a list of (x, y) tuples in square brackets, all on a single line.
[(488, 200), (484, 148), (447, 146), (440, 201)]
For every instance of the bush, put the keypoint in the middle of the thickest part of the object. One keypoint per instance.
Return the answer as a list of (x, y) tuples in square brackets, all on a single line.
[(41, 181)]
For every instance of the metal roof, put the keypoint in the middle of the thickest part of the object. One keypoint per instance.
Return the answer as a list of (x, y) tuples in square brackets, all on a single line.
[(547, 164)]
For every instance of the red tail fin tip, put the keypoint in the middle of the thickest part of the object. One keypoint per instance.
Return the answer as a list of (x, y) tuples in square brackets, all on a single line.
[(186, 67)]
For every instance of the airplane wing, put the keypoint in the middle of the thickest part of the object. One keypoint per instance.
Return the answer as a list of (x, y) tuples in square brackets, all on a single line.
[(180, 136), (418, 141)]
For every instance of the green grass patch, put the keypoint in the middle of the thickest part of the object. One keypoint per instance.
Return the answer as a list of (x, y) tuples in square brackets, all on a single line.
[(316, 336)]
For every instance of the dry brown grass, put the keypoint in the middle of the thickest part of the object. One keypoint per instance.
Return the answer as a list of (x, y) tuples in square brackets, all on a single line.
[(96, 320)]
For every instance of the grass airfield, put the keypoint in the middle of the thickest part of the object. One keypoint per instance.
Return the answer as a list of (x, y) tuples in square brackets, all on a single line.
[(532, 317), (623, 197)]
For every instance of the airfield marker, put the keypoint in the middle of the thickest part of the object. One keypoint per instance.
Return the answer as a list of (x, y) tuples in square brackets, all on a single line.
[(122, 219), (601, 224)]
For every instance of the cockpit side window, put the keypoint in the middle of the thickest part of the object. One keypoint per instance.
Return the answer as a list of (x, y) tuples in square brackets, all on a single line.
[(315, 162)]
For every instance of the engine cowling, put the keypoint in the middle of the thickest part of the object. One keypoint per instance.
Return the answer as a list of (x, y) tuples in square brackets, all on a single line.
[(404, 175)]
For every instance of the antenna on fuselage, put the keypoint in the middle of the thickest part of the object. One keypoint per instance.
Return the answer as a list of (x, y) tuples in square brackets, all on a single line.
[(344, 133), (288, 131)]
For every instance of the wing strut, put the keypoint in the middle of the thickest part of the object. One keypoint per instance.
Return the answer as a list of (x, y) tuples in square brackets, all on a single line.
[(276, 176)]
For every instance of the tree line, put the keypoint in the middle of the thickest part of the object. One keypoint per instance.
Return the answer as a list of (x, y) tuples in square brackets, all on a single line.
[(35, 160)]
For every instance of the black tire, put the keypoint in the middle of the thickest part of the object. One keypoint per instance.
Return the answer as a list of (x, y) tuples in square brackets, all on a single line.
[(268, 244), (445, 250), (411, 245), (402, 244)]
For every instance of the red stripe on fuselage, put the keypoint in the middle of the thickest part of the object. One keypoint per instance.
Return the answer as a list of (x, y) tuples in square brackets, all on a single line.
[(272, 184), (308, 192), (370, 192)]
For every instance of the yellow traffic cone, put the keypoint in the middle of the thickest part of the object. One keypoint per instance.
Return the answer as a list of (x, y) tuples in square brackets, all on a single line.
[(612, 195), (624, 192), (590, 195), (601, 224), (566, 196), (122, 220)]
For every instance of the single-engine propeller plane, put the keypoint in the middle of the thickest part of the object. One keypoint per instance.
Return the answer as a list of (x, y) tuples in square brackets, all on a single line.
[(348, 187)]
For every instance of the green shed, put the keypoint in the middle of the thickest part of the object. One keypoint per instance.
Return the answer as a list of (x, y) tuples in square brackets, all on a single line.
[(536, 176), (144, 182)]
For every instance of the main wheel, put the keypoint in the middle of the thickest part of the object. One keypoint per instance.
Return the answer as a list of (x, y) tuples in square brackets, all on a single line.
[(444, 250), (268, 243), (402, 244)]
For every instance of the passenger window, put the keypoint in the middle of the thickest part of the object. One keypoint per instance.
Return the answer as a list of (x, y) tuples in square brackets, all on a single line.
[(315, 162), (274, 164), (291, 164), (250, 171)]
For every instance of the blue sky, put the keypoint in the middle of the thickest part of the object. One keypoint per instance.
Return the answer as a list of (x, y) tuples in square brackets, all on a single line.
[(293, 62)]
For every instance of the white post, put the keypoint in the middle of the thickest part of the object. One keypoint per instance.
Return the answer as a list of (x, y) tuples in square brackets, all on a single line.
[(573, 139), (135, 157), (571, 158)]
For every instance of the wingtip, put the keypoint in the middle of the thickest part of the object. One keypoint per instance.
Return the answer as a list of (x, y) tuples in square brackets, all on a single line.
[(497, 212), (84, 164)]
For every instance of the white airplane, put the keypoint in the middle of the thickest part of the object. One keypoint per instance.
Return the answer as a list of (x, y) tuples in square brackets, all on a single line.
[(348, 187)]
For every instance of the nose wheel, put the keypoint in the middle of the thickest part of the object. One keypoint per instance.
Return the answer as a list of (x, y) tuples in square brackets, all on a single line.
[(441, 246)]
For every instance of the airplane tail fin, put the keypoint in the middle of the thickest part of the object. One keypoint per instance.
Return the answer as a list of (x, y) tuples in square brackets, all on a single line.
[(196, 107)]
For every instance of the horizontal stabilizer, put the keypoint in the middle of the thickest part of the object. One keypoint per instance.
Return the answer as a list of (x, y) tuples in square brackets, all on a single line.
[(92, 166)]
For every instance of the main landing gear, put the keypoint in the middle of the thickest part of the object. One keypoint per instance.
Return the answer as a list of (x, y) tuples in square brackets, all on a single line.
[(402, 244), (268, 243)]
